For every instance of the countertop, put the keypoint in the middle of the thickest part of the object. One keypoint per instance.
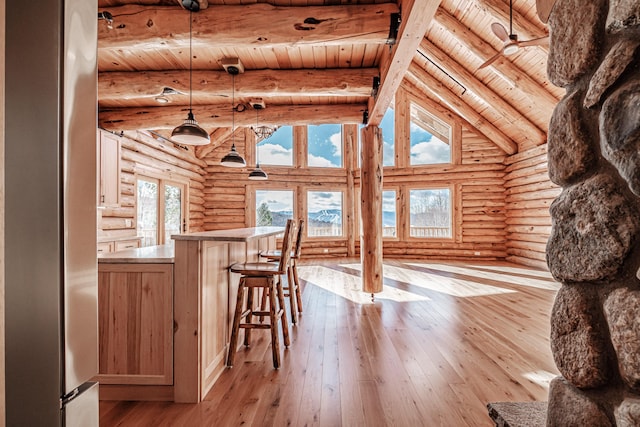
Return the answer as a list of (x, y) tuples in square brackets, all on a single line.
[(232, 235), (160, 254)]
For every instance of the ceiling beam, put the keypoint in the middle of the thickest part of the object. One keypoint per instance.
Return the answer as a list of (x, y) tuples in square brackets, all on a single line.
[(531, 132), (220, 115), (258, 25), (416, 18), (218, 136), (523, 27), (503, 67), (122, 85), (419, 77)]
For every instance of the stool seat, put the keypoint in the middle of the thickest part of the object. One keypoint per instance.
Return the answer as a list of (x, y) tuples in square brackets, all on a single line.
[(256, 269)]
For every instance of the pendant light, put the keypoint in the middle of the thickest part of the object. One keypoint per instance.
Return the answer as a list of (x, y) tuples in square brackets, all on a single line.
[(189, 132), (257, 174), (233, 159)]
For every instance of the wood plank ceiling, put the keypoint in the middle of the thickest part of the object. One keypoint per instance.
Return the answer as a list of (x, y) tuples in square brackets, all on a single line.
[(315, 61)]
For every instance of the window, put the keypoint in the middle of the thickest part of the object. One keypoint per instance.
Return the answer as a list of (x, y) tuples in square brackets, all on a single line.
[(278, 148), (273, 207), (430, 138), (324, 213), (161, 210), (430, 213), (388, 142), (325, 146), (389, 223), (388, 138)]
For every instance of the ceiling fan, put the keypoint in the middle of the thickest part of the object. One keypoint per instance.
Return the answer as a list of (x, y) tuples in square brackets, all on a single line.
[(510, 41)]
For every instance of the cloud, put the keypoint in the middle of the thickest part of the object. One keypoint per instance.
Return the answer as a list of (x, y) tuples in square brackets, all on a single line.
[(430, 152), (274, 154), (336, 142), (322, 162), (277, 200), (319, 200)]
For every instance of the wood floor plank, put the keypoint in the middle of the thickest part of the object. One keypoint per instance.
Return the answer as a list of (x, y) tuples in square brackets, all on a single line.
[(440, 342)]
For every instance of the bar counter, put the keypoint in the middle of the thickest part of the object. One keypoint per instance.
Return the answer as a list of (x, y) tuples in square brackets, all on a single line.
[(204, 297), (165, 313)]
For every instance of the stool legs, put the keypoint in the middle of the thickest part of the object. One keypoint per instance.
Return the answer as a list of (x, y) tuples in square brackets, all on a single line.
[(296, 281), (272, 288)]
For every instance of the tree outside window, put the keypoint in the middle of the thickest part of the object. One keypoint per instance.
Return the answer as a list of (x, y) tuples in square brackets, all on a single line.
[(273, 207), (430, 213)]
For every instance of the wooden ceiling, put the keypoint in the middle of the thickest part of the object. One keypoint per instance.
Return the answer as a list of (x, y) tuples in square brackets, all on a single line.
[(314, 61)]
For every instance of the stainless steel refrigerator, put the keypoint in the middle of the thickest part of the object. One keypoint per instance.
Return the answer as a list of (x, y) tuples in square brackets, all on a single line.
[(50, 213)]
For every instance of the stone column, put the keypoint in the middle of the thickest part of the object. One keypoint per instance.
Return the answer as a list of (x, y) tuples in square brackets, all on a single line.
[(594, 247)]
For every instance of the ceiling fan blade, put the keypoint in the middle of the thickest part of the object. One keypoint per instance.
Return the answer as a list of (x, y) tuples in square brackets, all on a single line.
[(490, 60), (500, 32), (543, 7), (540, 41)]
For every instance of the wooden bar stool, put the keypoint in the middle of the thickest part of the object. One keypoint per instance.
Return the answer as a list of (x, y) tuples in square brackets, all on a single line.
[(268, 277), (292, 290)]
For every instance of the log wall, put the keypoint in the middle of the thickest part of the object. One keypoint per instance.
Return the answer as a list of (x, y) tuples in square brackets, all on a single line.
[(529, 193), (143, 155)]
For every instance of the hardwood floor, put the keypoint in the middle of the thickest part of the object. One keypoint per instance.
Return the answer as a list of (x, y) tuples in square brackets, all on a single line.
[(433, 349)]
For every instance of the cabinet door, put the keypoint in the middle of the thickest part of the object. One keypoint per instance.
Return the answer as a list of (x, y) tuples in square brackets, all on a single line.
[(135, 324), (109, 167)]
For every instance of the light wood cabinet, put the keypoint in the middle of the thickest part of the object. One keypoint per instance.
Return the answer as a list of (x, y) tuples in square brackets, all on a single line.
[(105, 247), (108, 246), (135, 322), (108, 165)]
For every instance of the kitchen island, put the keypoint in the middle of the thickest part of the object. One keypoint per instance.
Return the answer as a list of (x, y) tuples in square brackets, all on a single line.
[(164, 313)]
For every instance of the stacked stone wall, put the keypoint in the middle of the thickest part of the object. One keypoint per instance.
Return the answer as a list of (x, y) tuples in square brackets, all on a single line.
[(594, 247)]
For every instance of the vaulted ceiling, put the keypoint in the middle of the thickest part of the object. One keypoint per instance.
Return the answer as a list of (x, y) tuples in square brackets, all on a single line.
[(316, 61)]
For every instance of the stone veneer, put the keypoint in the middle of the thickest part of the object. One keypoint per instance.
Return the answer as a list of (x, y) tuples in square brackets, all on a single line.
[(594, 247)]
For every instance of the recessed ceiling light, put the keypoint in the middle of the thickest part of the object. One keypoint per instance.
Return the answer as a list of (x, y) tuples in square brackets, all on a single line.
[(162, 99)]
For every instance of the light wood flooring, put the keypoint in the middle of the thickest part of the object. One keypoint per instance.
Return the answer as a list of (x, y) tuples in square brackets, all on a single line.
[(433, 349)]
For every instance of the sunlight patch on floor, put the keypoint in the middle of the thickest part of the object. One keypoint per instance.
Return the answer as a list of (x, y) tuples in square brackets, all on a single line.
[(446, 285), (542, 378), (350, 286), (507, 274)]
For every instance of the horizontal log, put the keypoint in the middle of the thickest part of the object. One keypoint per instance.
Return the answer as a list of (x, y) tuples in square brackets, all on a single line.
[(530, 162), (544, 220), (526, 229), (549, 194), (120, 85), (164, 147), (540, 212), (539, 265), (527, 154), (535, 238), (530, 188), (257, 25), (220, 115), (534, 255)]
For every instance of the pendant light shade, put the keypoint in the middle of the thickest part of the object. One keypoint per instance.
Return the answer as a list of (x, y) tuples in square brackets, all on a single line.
[(189, 132), (258, 174), (233, 159)]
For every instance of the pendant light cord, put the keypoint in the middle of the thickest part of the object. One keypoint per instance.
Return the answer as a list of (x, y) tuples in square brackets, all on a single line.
[(233, 110), (190, 62), (257, 142), (510, 17)]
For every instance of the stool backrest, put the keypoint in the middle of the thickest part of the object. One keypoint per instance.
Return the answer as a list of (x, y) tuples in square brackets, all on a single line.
[(287, 245), (298, 246)]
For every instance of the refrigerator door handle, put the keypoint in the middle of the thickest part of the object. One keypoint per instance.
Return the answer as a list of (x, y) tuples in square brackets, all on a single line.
[(69, 397)]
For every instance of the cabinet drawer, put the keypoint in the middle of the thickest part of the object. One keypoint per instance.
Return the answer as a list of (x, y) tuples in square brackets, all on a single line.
[(105, 247), (127, 244)]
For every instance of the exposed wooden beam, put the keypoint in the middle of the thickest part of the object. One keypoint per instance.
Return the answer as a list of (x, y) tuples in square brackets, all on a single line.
[(519, 78), (218, 136), (460, 73), (523, 27), (258, 83), (219, 115), (416, 19), (425, 81), (258, 25)]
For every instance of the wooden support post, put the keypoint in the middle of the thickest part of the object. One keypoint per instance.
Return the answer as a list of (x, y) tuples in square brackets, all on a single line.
[(371, 209)]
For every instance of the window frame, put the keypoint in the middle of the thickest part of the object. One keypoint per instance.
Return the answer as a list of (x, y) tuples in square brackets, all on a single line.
[(453, 200), (161, 237), (305, 190)]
